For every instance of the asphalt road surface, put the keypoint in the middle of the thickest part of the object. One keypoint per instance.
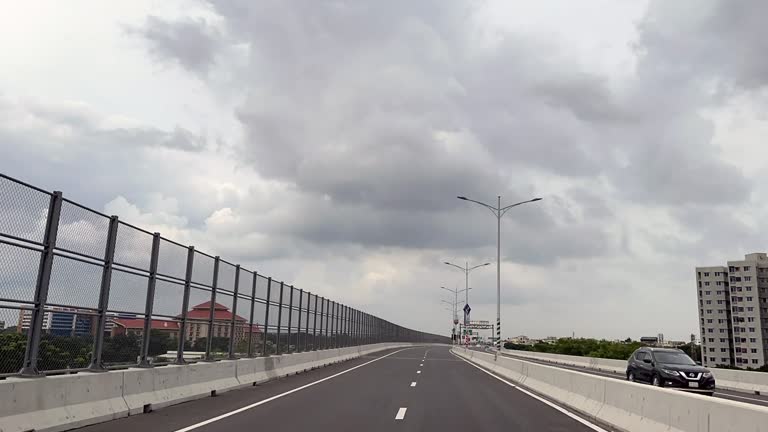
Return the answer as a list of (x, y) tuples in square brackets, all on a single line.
[(724, 394), (413, 389)]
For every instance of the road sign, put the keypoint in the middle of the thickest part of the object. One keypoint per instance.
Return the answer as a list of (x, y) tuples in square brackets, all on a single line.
[(467, 309), (480, 325)]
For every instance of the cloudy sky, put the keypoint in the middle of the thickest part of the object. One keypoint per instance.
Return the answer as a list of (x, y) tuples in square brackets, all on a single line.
[(324, 143)]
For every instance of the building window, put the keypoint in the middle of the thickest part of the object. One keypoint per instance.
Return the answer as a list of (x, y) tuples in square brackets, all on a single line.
[(709, 330), (733, 299), (748, 288), (719, 302), (722, 311), (706, 274), (711, 359), (754, 350), (733, 269), (711, 350), (706, 283), (723, 340), (711, 339), (724, 360), (708, 292), (753, 340), (709, 321), (751, 319), (746, 268), (747, 278), (750, 308), (748, 298), (751, 329), (709, 311), (723, 350), (722, 330), (709, 301)]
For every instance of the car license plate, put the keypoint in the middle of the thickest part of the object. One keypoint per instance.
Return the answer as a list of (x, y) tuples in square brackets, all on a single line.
[(693, 385)]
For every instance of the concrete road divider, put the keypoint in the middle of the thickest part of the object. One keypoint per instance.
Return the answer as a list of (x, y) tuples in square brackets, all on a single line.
[(64, 402), (625, 405), (60, 402), (739, 380)]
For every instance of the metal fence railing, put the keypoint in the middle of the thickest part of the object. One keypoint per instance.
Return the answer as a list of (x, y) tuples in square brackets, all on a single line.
[(81, 290)]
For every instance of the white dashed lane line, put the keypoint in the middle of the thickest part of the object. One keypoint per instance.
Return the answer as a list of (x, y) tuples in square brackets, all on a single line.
[(400, 414)]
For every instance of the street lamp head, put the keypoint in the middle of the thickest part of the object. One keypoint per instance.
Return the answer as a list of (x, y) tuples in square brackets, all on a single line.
[(536, 199), (487, 264), (446, 262), (462, 198)]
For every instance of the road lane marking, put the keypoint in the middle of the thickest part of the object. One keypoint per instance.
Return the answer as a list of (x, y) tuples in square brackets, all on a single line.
[(413, 384), (418, 372), (400, 414), (592, 426), (421, 364), (270, 399)]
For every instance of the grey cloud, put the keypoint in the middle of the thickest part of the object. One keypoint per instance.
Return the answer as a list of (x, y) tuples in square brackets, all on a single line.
[(191, 42)]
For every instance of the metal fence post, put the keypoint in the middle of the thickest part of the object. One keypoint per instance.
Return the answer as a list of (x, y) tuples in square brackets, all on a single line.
[(106, 279), (314, 326), (298, 324), (306, 333), (344, 310), (331, 323), (320, 344), (266, 319), (32, 351), (151, 283), (279, 319), (290, 317), (211, 314), (185, 305), (233, 321), (250, 320), (327, 322)]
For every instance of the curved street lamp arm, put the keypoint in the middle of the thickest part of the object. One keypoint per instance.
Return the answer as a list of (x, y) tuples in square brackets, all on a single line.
[(504, 210), (454, 265)]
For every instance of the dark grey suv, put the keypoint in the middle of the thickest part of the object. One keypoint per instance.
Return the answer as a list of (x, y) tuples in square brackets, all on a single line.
[(665, 367)]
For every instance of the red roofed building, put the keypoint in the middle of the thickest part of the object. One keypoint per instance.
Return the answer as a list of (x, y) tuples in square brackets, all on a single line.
[(197, 324), (222, 317), (135, 326)]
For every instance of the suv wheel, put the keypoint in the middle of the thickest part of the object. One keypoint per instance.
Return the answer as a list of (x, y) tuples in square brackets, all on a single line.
[(657, 381), (631, 377)]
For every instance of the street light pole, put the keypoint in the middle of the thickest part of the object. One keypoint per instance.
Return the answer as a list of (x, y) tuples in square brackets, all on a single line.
[(455, 303), (498, 211), (466, 269)]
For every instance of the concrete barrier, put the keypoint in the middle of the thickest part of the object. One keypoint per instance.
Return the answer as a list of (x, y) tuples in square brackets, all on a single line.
[(150, 389), (739, 380), (64, 402), (625, 405)]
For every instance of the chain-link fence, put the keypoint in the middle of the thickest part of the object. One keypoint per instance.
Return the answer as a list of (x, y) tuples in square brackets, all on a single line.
[(81, 290)]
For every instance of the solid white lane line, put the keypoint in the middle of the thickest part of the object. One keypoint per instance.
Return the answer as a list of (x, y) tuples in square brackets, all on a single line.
[(421, 364), (592, 426), (400, 414), (270, 399), (418, 372), (413, 384)]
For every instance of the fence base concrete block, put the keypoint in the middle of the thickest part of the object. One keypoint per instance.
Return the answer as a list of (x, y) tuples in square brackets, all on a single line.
[(62, 402), (624, 405), (167, 385)]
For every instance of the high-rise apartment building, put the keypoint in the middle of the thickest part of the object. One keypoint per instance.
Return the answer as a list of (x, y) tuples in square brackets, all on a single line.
[(733, 312)]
